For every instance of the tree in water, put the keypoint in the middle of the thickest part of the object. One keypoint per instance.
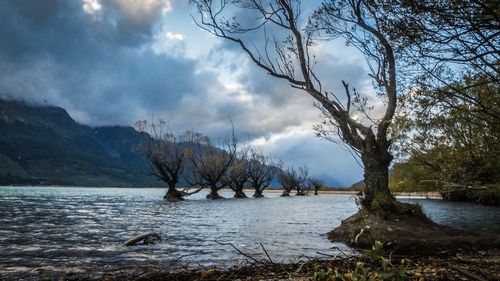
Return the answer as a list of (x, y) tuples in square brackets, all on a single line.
[(290, 57), (210, 164), (315, 184), (291, 179), (167, 154), (238, 174), (261, 172)]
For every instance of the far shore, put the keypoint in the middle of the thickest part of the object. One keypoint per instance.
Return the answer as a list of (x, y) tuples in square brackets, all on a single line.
[(415, 195)]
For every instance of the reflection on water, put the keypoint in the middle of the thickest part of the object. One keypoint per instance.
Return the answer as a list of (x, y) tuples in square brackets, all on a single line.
[(60, 228)]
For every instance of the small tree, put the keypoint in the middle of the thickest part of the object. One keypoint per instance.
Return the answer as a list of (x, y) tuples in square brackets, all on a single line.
[(167, 154), (291, 178), (315, 184), (210, 164), (261, 173)]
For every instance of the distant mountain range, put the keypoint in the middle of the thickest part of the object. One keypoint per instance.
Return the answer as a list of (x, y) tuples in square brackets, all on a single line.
[(43, 145)]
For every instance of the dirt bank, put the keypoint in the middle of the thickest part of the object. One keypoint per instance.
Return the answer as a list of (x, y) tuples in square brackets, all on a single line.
[(409, 234)]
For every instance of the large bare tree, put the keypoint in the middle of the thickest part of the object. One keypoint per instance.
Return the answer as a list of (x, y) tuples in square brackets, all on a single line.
[(262, 172), (291, 178), (238, 174), (286, 53), (210, 164), (167, 154)]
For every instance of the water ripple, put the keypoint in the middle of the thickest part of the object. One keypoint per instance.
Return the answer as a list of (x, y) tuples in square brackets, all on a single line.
[(61, 228)]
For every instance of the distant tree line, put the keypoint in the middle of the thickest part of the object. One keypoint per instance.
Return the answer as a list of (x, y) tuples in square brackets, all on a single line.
[(204, 165)]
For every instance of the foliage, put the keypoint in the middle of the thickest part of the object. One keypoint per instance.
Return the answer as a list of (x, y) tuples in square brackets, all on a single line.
[(438, 42), (407, 176), (385, 270), (445, 139)]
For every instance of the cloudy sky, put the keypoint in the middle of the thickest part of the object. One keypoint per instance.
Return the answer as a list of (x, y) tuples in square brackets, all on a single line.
[(119, 61)]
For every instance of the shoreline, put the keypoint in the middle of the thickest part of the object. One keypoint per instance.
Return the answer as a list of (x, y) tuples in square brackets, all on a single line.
[(475, 265)]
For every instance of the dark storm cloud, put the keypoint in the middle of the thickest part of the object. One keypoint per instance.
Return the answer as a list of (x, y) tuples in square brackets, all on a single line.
[(95, 65), (101, 65)]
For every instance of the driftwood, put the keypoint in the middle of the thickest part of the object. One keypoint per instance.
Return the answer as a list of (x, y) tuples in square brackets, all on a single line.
[(148, 238)]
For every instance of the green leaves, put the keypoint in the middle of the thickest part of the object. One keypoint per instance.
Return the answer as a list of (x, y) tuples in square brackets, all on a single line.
[(449, 135)]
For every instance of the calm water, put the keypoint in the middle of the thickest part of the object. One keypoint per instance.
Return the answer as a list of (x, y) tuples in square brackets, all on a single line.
[(60, 228)]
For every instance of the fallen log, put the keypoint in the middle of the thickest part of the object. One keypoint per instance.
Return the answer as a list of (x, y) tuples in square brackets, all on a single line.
[(148, 238)]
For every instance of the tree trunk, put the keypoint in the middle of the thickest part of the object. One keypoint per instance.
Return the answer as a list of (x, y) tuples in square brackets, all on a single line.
[(214, 195), (173, 194), (258, 194), (240, 194), (285, 193), (315, 191), (377, 195)]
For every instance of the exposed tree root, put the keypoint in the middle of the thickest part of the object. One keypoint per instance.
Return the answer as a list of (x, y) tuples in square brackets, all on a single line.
[(285, 194), (240, 194), (258, 195), (174, 195), (407, 231), (214, 196)]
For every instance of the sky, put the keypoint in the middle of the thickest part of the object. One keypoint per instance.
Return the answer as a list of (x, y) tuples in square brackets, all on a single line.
[(115, 62)]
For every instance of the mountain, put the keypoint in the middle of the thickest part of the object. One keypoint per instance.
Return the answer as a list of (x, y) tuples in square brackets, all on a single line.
[(43, 145), (357, 185), (329, 180)]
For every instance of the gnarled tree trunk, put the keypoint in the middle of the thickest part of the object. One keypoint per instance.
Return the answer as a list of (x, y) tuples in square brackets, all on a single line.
[(214, 195), (258, 193), (240, 194), (376, 179), (173, 194)]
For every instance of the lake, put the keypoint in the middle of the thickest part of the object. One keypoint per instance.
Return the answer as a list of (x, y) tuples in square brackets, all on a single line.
[(57, 228)]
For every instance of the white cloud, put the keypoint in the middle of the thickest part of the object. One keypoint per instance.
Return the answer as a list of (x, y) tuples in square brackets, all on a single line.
[(91, 6), (175, 36), (142, 10), (167, 7)]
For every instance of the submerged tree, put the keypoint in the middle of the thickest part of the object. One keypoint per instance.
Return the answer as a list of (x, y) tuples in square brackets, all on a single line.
[(315, 184), (261, 173), (287, 54), (291, 178), (210, 164), (238, 174), (167, 153)]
